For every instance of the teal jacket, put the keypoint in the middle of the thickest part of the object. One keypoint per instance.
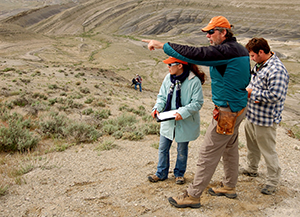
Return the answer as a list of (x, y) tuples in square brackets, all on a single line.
[(229, 69), (187, 129)]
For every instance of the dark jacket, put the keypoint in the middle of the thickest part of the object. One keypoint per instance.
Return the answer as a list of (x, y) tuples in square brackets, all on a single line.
[(229, 69)]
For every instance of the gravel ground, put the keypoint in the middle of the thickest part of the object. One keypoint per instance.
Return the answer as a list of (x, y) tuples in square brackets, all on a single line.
[(84, 182)]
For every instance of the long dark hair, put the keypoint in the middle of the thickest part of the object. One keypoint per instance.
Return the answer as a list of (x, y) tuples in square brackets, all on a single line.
[(197, 71)]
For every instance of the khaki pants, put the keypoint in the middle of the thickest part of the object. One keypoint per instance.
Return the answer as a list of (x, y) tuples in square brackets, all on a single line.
[(213, 148), (262, 141)]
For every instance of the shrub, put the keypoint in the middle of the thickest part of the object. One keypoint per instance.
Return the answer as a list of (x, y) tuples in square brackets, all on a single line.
[(133, 136), (110, 128), (53, 86), (4, 113), (8, 69), (106, 145), (118, 134), (141, 110), (126, 120), (155, 145), (20, 102), (59, 126), (89, 100), (17, 137), (85, 90), (82, 133), (87, 111), (54, 125), (151, 128), (102, 114), (3, 189)]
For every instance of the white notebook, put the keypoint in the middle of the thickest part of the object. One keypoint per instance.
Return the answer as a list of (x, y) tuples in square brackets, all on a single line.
[(165, 116)]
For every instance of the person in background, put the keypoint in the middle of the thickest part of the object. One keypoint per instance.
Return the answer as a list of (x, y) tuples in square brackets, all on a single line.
[(182, 90), (138, 82), (230, 75), (266, 96)]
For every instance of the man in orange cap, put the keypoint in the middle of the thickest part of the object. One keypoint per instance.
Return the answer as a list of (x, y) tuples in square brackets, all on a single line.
[(230, 74)]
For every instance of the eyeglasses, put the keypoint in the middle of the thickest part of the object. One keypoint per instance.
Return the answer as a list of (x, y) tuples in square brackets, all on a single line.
[(212, 31), (173, 64)]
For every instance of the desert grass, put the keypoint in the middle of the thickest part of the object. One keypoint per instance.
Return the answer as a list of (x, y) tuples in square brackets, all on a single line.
[(48, 115)]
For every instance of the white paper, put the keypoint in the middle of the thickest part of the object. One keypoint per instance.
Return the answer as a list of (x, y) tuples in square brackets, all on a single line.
[(164, 116)]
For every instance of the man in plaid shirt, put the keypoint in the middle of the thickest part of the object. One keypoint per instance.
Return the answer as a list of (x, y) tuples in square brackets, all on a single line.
[(266, 95)]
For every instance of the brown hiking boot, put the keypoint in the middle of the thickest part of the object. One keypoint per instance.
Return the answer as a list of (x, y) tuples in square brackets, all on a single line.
[(154, 178), (179, 180), (185, 200), (223, 191), (268, 189), (247, 173)]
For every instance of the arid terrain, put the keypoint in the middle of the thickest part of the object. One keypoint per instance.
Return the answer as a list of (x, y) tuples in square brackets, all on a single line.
[(51, 52)]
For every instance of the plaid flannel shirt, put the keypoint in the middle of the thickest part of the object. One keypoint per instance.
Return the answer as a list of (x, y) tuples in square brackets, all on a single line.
[(269, 85)]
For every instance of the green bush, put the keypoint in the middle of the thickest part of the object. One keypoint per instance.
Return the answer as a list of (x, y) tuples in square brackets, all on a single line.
[(3, 189), (59, 126), (89, 100), (126, 120), (141, 110), (110, 128), (85, 90), (8, 69), (81, 133), (54, 125), (17, 137), (133, 136), (87, 111), (102, 114), (118, 134), (20, 102), (106, 145), (155, 145), (151, 128), (52, 86)]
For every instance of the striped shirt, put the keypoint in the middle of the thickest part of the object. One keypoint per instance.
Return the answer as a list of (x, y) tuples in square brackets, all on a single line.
[(269, 84)]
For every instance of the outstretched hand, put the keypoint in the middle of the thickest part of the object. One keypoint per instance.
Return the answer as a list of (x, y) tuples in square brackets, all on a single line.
[(153, 44)]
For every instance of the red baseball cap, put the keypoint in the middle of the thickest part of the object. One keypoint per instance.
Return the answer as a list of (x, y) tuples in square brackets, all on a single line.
[(218, 21), (174, 60)]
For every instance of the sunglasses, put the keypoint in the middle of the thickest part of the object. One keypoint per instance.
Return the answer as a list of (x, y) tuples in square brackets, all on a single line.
[(212, 31), (173, 64)]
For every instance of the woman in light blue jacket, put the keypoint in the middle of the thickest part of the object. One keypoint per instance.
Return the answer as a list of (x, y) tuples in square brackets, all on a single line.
[(182, 90)]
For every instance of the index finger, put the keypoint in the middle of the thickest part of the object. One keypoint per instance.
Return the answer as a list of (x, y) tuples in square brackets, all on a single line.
[(146, 40)]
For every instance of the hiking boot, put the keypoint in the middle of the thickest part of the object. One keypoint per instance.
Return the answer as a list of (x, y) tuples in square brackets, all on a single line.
[(223, 191), (247, 173), (179, 180), (154, 178), (268, 189), (184, 201)]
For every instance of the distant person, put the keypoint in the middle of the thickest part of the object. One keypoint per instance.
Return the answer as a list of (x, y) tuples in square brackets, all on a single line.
[(133, 81), (138, 80), (182, 90), (230, 74), (266, 96)]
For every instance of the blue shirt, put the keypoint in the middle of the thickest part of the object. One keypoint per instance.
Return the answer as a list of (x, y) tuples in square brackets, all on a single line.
[(269, 85)]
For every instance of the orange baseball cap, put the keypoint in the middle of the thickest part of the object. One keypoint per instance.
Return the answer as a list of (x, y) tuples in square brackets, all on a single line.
[(218, 21), (174, 60)]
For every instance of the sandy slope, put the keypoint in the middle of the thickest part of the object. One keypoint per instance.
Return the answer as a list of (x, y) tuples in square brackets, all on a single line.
[(83, 182)]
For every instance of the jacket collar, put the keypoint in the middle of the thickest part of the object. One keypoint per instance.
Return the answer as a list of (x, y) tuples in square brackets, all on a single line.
[(191, 75)]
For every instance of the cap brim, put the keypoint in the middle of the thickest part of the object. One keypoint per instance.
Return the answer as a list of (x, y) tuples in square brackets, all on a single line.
[(208, 27), (170, 60)]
